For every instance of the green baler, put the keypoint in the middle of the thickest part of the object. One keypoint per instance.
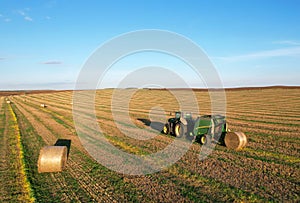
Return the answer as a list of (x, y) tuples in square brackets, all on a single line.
[(204, 129)]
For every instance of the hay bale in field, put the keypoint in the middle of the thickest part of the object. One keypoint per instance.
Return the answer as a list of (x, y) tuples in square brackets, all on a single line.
[(235, 140), (52, 159), (43, 105), (8, 101)]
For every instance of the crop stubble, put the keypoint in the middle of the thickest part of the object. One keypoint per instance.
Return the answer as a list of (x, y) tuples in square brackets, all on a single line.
[(266, 170)]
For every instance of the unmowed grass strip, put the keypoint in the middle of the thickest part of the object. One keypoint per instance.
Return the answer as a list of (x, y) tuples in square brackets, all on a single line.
[(4, 163), (2, 117), (18, 169)]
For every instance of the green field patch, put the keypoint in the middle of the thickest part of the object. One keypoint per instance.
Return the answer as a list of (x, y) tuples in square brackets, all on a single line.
[(274, 137), (278, 157), (199, 188)]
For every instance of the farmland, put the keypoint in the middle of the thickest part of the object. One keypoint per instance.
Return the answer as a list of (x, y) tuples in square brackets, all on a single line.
[(266, 170)]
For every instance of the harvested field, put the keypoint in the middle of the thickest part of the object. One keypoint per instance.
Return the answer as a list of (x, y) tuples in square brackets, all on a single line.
[(266, 170)]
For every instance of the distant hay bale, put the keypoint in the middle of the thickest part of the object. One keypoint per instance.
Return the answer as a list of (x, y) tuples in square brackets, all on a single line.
[(235, 140), (52, 159), (8, 101), (43, 105)]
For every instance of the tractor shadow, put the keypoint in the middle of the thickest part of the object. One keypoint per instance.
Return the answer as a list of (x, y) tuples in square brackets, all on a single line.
[(158, 126), (64, 142)]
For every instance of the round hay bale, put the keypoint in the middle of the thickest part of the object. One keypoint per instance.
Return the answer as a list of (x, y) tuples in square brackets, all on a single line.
[(52, 159), (43, 105), (235, 140), (8, 101)]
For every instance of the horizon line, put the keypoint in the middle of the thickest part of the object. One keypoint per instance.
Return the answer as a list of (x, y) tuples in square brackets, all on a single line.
[(154, 88)]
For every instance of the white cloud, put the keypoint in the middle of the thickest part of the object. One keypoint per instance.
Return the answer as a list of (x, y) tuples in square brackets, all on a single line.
[(294, 51), (24, 14), (4, 18), (287, 42), (27, 18), (52, 62)]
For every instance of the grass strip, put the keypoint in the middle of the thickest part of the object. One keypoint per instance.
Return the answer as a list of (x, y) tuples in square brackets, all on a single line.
[(17, 155)]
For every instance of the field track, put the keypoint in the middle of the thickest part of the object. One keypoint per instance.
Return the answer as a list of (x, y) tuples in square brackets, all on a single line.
[(266, 170)]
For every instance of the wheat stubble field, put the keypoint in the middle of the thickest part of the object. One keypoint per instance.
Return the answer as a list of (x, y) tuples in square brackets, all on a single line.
[(266, 170)]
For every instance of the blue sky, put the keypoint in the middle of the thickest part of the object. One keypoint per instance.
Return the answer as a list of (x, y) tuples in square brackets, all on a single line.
[(44, 44)]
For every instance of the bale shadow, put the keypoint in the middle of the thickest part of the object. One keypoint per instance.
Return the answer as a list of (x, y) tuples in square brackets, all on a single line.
[(158, 126), (64, 142)]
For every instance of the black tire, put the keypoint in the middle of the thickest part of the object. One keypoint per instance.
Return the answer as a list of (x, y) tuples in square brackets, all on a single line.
[(179, 130), (166, 129), (203, 139)]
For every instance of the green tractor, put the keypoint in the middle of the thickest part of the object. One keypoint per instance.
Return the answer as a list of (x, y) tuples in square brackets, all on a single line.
[(174, 125), (204, 129)]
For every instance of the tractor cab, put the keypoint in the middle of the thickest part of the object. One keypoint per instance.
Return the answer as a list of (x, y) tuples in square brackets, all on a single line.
[(176, 118), (177, 115)]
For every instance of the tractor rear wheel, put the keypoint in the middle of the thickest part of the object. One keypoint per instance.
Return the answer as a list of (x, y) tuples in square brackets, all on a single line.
[(179, 129), (166, 129)]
